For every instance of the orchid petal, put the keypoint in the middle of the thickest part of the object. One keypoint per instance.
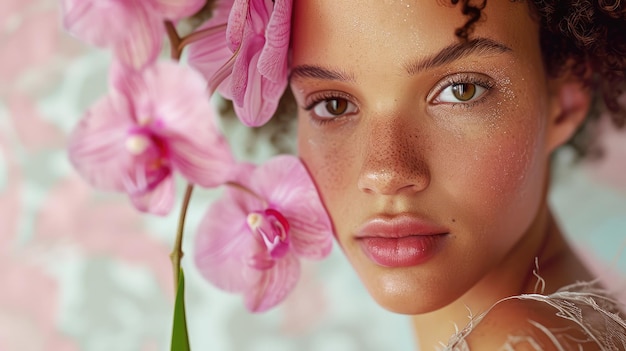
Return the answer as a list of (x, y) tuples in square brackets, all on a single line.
[(274, 286), (97, 146), (175, 10), (247, 18), (176, 101), (222, 79), (285, 182), (202, 164), (142, 40), (224, 245), (255, 98), (259, 13), (159, 200), (136, 38), (311, 237), (221, 10), (241, 173), (125, 83), (236, 24), (244, 66), (273, 60), (261, 101), (90, 20)]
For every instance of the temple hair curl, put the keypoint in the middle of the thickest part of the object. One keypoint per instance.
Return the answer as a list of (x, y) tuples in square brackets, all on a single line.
[(582, 37)]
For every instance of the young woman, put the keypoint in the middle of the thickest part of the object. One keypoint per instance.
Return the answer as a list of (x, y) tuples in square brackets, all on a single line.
[(429, 133), (428, 128)]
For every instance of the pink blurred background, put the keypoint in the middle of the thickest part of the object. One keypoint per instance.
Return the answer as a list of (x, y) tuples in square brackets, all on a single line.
[(81, 270)]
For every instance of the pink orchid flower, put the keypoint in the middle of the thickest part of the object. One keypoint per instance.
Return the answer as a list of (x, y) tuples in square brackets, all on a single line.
[(250, 240), (151, 124), (258, 35), (134, 29)]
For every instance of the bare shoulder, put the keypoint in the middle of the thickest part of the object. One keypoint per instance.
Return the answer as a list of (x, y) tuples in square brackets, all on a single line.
[(536, 324)]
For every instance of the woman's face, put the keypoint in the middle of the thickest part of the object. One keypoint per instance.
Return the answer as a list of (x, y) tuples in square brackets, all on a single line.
[(429, 154)]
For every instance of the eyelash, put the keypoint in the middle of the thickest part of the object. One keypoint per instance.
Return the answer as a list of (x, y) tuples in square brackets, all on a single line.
[(461, 78), (322, 97)]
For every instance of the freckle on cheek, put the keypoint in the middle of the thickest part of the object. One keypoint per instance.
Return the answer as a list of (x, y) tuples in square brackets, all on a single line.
[(330, 164)]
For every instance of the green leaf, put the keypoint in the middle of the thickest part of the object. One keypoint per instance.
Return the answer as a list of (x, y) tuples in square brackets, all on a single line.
[(180, 338)]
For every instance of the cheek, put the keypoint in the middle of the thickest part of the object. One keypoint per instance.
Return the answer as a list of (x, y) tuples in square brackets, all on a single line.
[(332, 164), (504, 169), (503, 180)]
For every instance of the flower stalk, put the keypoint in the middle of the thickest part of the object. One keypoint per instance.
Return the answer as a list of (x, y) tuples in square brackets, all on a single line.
[(177, 252), (174, 39), (178, 44), (199, 35)]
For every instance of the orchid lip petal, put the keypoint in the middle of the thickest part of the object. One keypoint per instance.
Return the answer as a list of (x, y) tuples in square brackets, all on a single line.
[(159, 200), (272, 229), (262, 262)]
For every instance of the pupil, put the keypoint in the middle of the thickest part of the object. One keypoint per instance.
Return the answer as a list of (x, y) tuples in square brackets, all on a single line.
[(464, 91), (337, 106)]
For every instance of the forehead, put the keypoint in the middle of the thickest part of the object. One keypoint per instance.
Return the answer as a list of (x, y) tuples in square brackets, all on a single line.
[(374, 20), (392, 32)]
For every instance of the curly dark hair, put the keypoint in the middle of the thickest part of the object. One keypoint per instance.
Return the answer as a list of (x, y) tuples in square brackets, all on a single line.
[(589, 38)]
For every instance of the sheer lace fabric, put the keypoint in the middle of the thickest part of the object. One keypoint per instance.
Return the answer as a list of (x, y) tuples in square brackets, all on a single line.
[(599, 317)]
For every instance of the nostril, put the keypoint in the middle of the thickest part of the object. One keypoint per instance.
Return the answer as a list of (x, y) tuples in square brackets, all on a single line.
[(413, 188)]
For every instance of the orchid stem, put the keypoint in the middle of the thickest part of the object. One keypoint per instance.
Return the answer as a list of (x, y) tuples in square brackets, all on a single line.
[(177, 251), (175, 40), (197, 35)]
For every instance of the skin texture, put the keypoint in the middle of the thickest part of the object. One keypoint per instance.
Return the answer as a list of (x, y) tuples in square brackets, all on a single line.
[(478, 169)]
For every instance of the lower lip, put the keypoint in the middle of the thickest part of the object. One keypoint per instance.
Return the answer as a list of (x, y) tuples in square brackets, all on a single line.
[(401, 252)]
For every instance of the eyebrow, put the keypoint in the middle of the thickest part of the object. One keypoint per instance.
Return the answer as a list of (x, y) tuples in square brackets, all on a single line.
[(451, 53), (318, 72), (457, 51)]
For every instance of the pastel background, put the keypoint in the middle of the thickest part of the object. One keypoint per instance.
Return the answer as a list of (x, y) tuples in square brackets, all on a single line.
[(81, 270)]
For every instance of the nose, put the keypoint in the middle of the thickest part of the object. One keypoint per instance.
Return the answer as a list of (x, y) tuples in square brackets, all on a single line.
[(393, 160)]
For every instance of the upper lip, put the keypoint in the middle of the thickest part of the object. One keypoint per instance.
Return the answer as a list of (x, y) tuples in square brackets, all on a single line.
[(398, 226)]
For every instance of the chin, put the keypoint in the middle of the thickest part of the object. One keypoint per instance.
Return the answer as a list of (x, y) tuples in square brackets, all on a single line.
[(408, 290)]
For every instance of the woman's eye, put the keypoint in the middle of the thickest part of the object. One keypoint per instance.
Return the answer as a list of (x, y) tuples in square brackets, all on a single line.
[(334, 107), (461, 92)]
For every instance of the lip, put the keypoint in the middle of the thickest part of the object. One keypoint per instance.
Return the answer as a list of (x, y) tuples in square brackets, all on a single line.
[(400, 241)]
